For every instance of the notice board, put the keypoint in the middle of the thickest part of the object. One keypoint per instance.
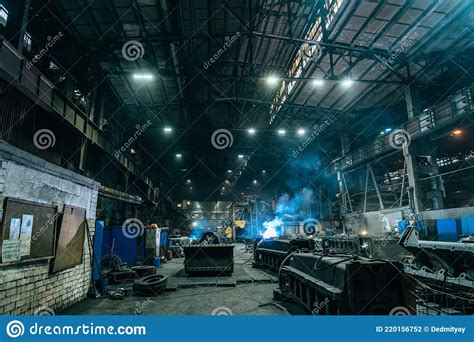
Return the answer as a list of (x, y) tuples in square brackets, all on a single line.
[(28, 230), (70, 239)]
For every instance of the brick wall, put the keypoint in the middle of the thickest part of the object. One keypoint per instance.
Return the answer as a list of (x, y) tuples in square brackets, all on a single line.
[(28, 287)]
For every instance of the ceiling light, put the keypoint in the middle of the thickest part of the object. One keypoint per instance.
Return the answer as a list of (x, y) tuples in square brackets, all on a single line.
[(457, 132), (188, 181), (240, 156), (178, 155), (347, 82), (264, 171), (281, 132), (254, 181), (272, 80), (229, 171), (168, 129), (301, 131), (251, 130), (143, 76), (318, 82)]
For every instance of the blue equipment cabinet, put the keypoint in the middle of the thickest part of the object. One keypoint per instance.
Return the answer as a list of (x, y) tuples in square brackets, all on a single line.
[(449, 230), (467, 225)]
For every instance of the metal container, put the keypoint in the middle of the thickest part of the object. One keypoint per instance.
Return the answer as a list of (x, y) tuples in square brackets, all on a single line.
[(209, 258)]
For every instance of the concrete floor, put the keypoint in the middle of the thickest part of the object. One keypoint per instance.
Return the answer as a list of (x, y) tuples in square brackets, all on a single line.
[(247, 292)]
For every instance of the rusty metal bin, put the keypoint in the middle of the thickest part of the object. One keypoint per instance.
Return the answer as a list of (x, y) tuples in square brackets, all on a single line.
[(209, 258)]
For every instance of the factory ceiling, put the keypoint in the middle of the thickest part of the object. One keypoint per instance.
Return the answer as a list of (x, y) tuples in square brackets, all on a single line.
[(271, 65)]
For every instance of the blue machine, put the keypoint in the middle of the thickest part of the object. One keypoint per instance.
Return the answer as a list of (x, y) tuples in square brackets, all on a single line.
[(98, 242), (449, 230), (467, 225), (126, 248)]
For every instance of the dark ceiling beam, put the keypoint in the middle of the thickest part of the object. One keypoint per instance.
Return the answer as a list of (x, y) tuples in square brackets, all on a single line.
[(239, 99), (337, 48)]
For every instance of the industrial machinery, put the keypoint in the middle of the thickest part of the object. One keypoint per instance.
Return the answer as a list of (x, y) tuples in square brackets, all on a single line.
[(368, 246), (341, 284), (444, 272), (271, 253)]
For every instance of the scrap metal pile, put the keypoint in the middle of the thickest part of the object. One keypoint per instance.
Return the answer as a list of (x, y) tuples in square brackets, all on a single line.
[(144, 279)]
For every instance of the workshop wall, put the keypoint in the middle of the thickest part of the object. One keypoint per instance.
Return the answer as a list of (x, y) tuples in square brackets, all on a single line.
[(28, 287)]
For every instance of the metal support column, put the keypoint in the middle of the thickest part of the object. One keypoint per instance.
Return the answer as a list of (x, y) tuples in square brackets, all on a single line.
[(411, 176), (376, 188), (24, 24)]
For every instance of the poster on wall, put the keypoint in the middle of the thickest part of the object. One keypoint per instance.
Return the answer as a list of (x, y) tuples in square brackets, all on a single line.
[(25, 234), (11, 251), (15, 225)]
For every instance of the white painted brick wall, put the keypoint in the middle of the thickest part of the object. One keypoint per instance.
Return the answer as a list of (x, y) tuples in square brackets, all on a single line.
[(25, 288)]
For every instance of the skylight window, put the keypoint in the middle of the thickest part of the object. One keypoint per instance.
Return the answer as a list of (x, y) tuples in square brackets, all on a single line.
[(3, 15)]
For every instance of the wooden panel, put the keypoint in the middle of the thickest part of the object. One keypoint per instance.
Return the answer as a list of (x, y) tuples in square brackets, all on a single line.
[(44, 225), (70, 239)]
